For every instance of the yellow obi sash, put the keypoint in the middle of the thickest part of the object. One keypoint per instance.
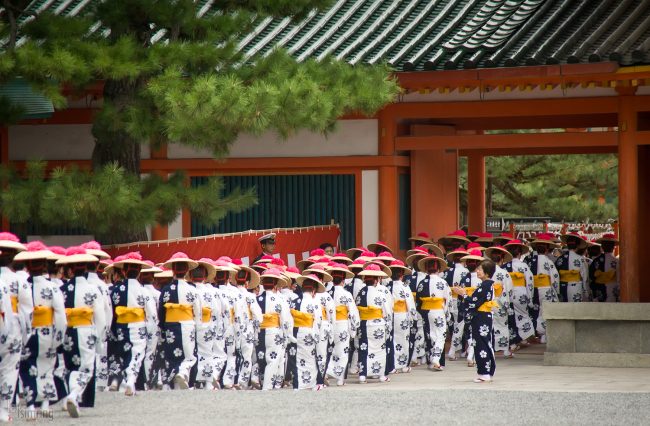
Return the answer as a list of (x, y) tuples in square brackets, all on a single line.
[(43, 316), (176, 312), (271, 321), (603, 277), (324, 313), (14, 304), (541, 280), (126, 315), (432, 303), (498, 289), (569, 276), (232, 315), (518, 279), (469, 290), (414, 294), (79, 316), (342, 313), (370, 313), (487, 306), (206, 314), (399, 306), (250, 313), (305, 319)]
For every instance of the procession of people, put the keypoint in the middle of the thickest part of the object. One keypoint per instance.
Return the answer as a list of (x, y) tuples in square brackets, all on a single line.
[(74, 322)]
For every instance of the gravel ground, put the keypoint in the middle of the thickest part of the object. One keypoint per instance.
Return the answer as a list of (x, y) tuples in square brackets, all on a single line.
[(363, 407)]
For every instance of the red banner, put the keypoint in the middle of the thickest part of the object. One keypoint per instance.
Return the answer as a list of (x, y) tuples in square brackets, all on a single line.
[(291, 244)]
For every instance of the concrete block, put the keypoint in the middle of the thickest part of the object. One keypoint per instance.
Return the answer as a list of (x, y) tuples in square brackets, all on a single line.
[(645, 337), (598, 360), (561, 336), (598, 311), (608, 337)]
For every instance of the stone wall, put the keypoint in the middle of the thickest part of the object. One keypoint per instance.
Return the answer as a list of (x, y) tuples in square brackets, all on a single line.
[(598, 334)]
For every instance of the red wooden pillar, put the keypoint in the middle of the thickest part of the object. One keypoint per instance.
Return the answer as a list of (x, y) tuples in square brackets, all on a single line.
[(476, 192), (388, 188), (434, 191), (628, 189)]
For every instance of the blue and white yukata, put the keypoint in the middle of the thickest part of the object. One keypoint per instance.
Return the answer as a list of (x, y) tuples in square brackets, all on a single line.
[(229, 294), (247, 334), (18, 327), (134, 319), (480, 316), (324, 346), (375, 314), (39, 354), (461, 332), (150, 370), (546, 281), (225, 336), (505, 326), (303, 349), (10, 343), (179, 315), (404, 314), (417, 345), (345, 326), (604, 275), (453, 276), (433, 299), (79, 348), (522, 298), (504, 312), (274, 331), (354, 286), (574, 276), (101, 367), (207, 330)]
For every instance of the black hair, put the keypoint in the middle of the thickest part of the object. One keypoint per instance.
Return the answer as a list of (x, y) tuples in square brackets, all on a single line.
[(326, 245), (488, 267)]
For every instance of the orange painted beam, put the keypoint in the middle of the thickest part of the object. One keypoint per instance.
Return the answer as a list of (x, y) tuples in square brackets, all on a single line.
[(536, 122), (529, 140), (628, 203), (570, 150), (507, 108), (66, 116), (476, 192), (207, 166), (263, 165)]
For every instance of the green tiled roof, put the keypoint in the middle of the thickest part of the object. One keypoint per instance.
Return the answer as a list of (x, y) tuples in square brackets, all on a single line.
[(414, 35), (20, 93)]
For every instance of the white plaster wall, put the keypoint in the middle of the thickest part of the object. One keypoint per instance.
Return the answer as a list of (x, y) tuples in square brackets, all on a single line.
[(175, 229), (370, 206), (54, 142), (351, 137)]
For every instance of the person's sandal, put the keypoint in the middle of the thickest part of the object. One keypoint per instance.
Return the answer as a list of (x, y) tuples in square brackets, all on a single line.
[(479, 380)]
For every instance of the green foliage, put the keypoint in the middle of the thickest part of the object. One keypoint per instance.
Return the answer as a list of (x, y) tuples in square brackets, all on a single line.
[(571, 188), (172, 76), (110, 202)]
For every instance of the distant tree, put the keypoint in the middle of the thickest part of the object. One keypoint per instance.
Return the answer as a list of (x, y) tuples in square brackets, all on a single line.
[(572, 188)]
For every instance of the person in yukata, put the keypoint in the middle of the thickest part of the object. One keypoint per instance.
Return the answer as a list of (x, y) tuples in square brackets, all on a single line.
[(478, 310)]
